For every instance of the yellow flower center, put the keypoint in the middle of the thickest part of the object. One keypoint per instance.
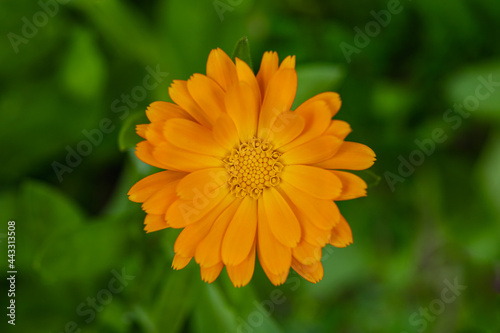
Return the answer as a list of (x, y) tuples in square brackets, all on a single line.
[(252, 167)]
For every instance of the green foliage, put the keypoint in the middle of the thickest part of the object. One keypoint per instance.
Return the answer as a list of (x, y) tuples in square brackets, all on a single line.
[(212, 312), (465, 83), (128, 138), (242, 51), (440, 223), (177, 297), (83, 69), (317, 78)]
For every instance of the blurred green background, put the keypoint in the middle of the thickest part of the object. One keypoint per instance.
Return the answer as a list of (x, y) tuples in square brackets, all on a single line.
[(66, 69)]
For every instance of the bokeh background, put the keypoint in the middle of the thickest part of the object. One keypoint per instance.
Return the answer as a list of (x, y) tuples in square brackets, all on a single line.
[(65, 76)]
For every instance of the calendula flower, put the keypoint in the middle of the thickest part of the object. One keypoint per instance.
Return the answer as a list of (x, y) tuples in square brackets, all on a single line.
[(245, 174)]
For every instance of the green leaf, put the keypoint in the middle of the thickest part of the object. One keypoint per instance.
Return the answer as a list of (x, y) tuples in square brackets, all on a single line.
[(351, 259), (248, 306), (175, 300), (471, 84), (133, 39), (128, 138), (56, 240), (142, 318), (83, 69), (481, 246), (392, 100), (242, 51), (316, 78), (179, 26), (41, 202), (81, 253), (212, 312), (43, 212), (41, 115)]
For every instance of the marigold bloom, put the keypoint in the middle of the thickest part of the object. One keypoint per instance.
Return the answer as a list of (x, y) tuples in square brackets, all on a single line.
[(245, 174)]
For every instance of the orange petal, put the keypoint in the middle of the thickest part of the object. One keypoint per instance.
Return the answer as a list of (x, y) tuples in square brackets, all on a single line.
[(209, 274), (151, 184), (175, 158), (282, 220), (154, 133), (276, 279), (246, 75), (317, 182), (144, 152), (341, 234), (179, 93), (141, 130), (190, 237), (192, 137), (221, 68), (286, 126), (184, 212), (278, 98), (317, 117), (201, 181), (352, 186), (180, 262), (242, 107), (242, 273), (307, 253), (274, 255), (208, 95), (240, 234), (332, 99), (338, 128), (208, 252), (162, 111), (288, 62), (350, 156), (160, 201), (268, 66), (312, 273), (225, 132), (324, 214), (311, 233), (313, 151), (155, 222)]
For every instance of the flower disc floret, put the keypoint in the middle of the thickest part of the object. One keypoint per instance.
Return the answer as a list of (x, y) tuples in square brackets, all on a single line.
[(253, 167)]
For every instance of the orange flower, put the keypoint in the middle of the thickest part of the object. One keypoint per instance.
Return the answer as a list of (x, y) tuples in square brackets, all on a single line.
[(245, 174)]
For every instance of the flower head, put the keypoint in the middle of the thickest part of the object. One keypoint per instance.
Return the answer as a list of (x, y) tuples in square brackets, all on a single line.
[(244, 174)]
